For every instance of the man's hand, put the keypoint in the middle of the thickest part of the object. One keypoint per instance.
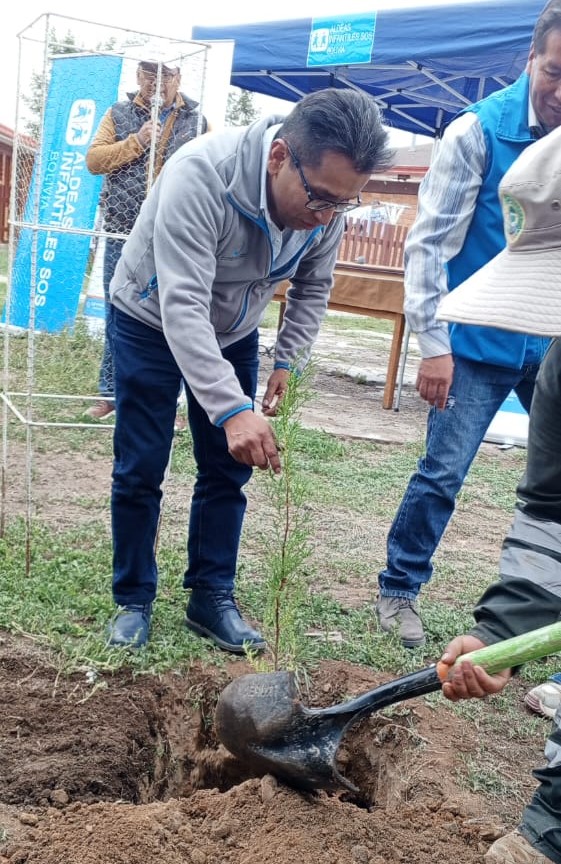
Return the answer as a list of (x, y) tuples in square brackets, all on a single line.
[(434, 379), (276, 388), (466, 680), (251, 441), (144, 134)]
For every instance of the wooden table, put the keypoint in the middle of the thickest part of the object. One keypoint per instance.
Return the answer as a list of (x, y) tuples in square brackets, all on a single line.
[(367, 290)]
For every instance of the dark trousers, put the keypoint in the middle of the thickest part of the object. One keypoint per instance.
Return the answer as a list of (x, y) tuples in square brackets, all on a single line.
[(147, 384), (111, 255), (540, 489)]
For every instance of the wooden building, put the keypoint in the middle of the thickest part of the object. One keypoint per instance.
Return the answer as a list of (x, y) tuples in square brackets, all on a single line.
[(400, 184), (6, 148)]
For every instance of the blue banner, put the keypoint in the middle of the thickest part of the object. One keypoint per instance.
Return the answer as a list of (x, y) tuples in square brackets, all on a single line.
[(341, 41), (80, 91)]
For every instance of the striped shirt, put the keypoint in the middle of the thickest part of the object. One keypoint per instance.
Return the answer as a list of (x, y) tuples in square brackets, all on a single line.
[(447, 199)]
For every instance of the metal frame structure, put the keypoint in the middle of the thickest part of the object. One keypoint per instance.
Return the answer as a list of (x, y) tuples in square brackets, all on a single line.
[(19, 395)]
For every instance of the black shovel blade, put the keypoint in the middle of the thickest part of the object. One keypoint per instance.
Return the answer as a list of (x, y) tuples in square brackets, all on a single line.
[(261, 720)]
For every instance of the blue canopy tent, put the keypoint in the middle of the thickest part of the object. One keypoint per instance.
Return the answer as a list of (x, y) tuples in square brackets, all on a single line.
[(422, 65)]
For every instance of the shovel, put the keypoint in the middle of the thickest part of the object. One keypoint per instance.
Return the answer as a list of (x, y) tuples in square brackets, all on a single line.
[(261, 720)]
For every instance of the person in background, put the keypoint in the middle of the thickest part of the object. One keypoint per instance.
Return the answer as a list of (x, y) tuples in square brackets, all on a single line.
[(545, 698), (121, 150), (465, 373), (521, 288), (231, 215)]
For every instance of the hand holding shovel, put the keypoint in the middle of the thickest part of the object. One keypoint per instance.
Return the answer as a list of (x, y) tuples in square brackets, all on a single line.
[(261, 720)]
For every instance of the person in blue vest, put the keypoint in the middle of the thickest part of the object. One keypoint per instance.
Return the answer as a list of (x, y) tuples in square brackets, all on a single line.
[(121, 150), (465, 373), (521, 288)]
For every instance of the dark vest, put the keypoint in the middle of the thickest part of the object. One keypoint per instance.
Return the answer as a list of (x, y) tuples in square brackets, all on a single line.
[(125, 189)]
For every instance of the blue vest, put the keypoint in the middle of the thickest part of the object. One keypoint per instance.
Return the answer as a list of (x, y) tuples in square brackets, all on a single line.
[(504, 120)]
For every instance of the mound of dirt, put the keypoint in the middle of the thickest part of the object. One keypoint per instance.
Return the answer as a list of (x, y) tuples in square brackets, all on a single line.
[(129, 771)]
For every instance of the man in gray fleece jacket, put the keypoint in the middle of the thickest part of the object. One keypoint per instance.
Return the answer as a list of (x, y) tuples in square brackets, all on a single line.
[(231, 215)]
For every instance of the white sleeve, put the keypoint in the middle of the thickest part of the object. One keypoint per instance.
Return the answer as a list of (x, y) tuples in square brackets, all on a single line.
[(447, 200)]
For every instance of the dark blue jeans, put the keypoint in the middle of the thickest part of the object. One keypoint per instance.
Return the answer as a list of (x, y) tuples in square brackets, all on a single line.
[(110, 257), (453, 438), (147, 383)]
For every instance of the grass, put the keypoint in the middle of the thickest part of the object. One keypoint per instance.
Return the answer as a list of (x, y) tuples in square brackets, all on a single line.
[(335, 321), (481, 774), (353, 489), (63, 364), (3, 273), (4, 260), (65, 601), (345, 322)]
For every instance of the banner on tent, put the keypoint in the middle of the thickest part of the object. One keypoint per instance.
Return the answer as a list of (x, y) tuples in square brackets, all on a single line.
[(63, 194), (335, 41), (510, 424)]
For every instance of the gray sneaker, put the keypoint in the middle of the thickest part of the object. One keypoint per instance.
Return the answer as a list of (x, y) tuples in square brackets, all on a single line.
[(403, 613)]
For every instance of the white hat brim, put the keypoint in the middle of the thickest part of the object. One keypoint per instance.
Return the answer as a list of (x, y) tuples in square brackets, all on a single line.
[(514, 291)]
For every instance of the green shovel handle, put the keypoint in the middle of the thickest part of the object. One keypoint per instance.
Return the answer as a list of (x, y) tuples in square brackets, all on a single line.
[(517, 650)]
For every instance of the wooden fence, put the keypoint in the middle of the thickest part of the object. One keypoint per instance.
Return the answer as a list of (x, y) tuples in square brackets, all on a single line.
[(373, 244), (368, 280)]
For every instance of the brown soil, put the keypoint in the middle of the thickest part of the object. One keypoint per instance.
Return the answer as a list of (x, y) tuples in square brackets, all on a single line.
[(129, 771), (132, 772)]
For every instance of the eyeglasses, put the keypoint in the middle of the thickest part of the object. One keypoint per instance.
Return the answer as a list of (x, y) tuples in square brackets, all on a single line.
[(315, 203), (166, 75)]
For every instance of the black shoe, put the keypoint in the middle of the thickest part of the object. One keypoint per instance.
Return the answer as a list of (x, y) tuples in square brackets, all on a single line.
[(130, 626), (215, 614)]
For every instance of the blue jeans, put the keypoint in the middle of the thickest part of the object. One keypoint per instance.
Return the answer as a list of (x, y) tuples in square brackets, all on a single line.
[(453, 438), (147, 383), (110, 257)]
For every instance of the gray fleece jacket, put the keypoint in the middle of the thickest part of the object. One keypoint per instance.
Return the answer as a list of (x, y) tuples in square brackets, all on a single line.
[(198, 264)]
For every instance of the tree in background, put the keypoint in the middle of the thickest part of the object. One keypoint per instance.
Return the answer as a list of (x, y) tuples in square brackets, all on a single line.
[(240, 109), (39, 83)]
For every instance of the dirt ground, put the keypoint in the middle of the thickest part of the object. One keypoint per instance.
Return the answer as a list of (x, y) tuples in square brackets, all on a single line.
[(130, 771), (133, 774)]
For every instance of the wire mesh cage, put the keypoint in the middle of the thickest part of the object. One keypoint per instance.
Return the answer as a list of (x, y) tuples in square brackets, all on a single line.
[(70, 74), (78, 83)]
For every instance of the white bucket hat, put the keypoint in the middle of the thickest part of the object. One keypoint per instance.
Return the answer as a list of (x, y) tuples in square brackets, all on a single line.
[(520, 289)]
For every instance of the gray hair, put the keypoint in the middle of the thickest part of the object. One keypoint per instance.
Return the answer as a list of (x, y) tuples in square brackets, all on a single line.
[(339, 121), (548, 20)]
